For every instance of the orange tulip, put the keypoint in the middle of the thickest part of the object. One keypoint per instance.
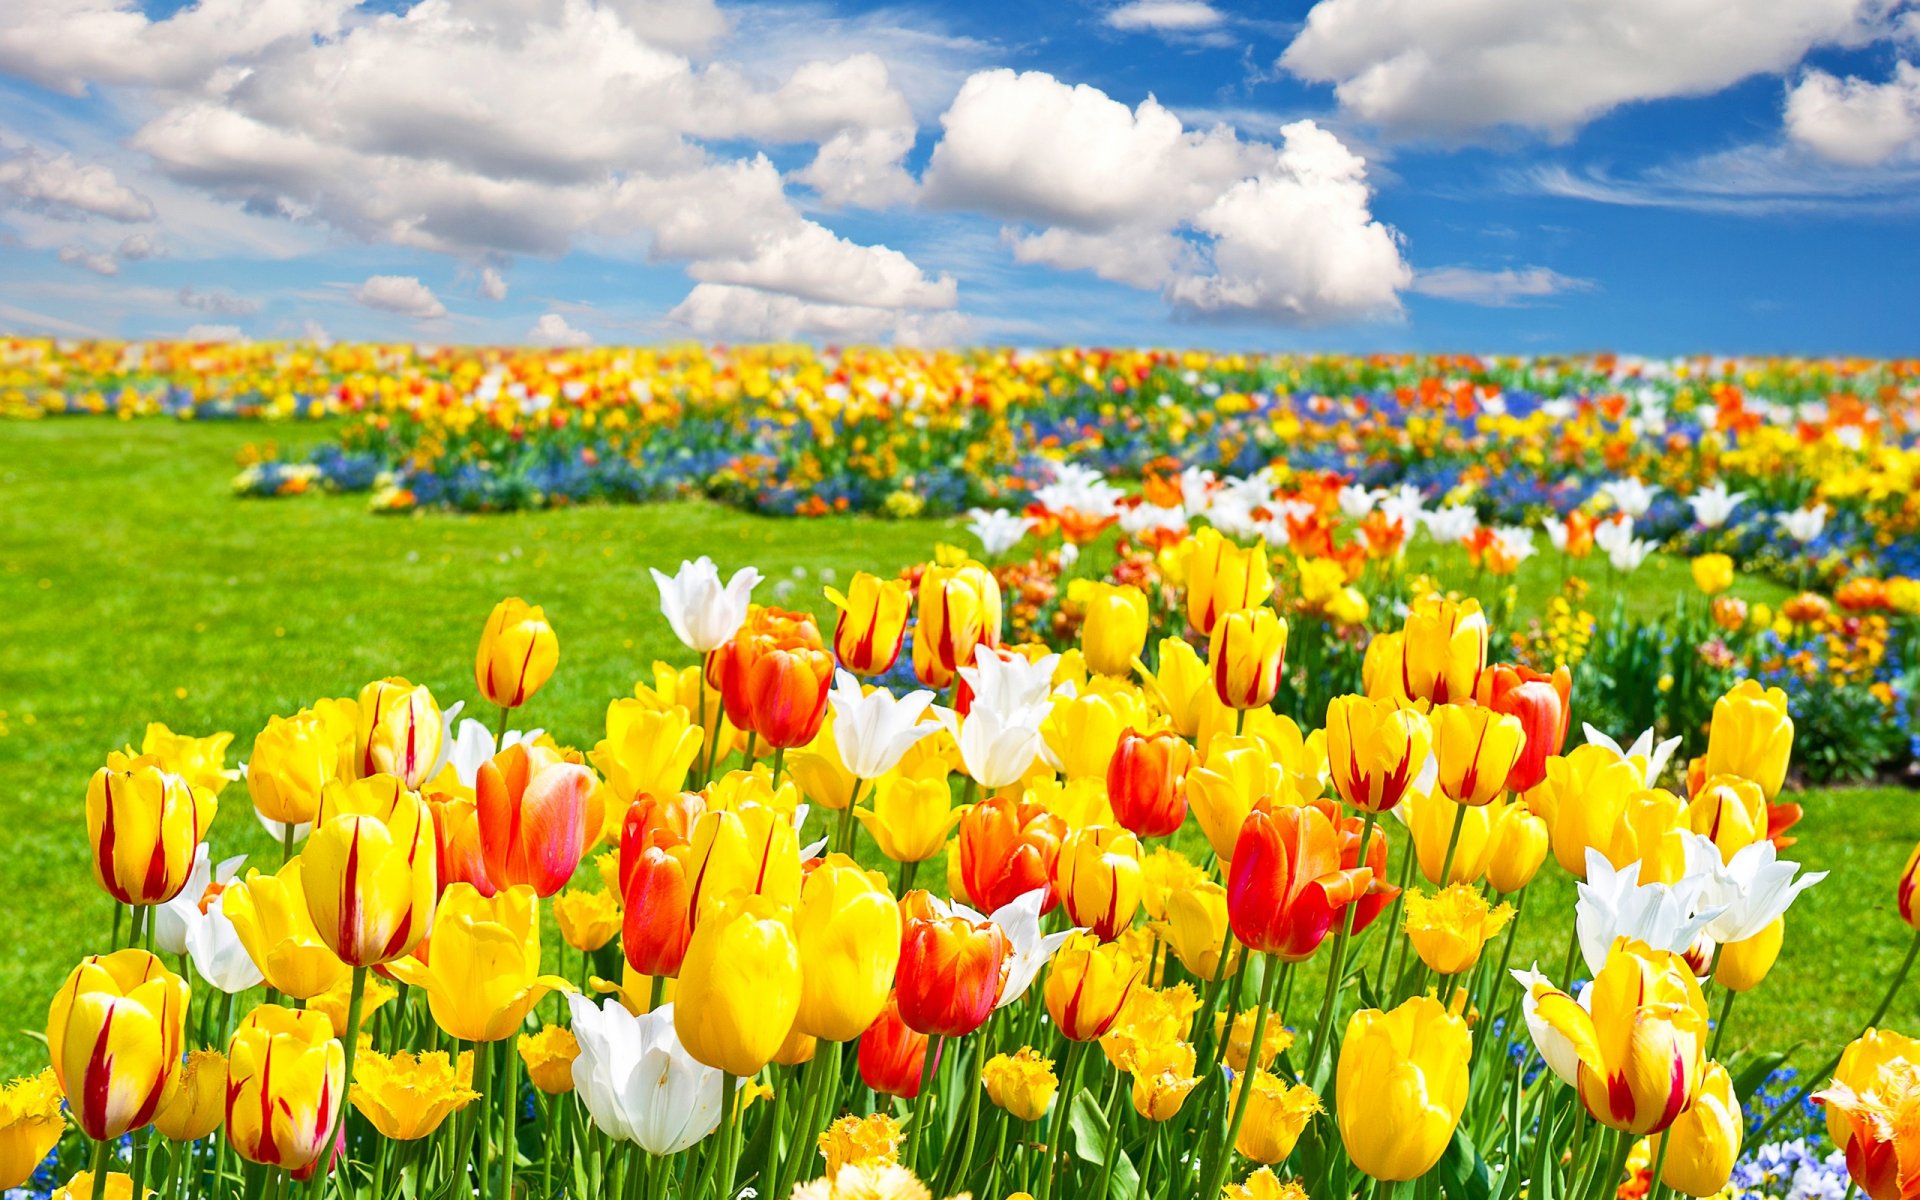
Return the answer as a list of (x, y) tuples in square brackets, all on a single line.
[(1907, 891), (949, 976), (1147, 781), (787, 690), (657, 922), (533, 818), (456, 840), (1007, 849), (1288, 885), (1544, 706), (892, 1054)]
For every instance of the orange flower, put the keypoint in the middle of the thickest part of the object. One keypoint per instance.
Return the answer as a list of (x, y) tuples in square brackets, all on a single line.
[(1147, 781), (892, 1055), (1007, 849), (657, 923), (532, 810), (1544, 705), (775, 672), (949, 976), (1288, 884)]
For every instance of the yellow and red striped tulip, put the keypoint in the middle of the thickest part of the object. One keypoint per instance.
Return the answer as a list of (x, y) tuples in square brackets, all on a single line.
[(1088, 983), (518, 652), (1098, 878), (1224, 577), (115, 1032), (1477, 749), (369, 870), (872, 622), (1247, 656), (1375, 748), (399, 732), (145, 825), (286, 1082), (959, 609)]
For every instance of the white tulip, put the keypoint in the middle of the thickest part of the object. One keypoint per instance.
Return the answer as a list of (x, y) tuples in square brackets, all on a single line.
[(173, 920), (1452, 524), (1754, 887), (637, 1081), (1803, 524), (217, 952), (1631, 496), (704, 615), (1713, 505), (1030, 950), (998, 531), (1612, 533), (1011, 684), (994, 750), (1355, 501), (1615, 904), (1627, 557), (1652, 758), (874, 730)]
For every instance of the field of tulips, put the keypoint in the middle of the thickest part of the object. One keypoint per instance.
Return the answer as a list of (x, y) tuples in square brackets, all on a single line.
[(1169, 838)]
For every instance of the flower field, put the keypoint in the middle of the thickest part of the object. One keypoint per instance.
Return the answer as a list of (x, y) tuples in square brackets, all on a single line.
[(1324, 778)]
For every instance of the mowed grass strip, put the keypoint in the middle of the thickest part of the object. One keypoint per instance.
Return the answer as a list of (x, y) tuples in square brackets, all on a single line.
[(137, 588)]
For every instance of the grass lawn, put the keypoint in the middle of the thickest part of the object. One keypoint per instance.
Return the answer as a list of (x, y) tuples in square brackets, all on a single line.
[(138, 588)]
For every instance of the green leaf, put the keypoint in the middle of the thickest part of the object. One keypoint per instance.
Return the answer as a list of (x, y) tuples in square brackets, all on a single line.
[(1092, 1143), (1463, 1172)]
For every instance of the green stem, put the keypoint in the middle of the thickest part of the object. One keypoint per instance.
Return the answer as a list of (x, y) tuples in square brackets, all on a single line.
[(509, 1117), (99, 1168), (1720, 1027), (286, 843), (355, 999), (1324, 1027), (1657, 1190), (1063, 1100), (848, 832), (480, 1129), (1216, 1176)]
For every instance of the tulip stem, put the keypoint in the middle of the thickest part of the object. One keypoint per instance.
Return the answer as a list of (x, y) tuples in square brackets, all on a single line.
[(1323, 1029), (480, 1128), (1063, 1100), (1389, 941), (286, 843), (1720, 1027), (1216, 1177), (99, 1169), (1453, 844), (1656, 1189), (500, 727), (779, 765), (729, 1122), (848, 831), (907, 872), (324, 1163), (917, 1123), (509, 1117)]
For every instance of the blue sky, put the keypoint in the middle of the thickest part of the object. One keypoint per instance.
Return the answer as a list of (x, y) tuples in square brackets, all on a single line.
[(1489, 175)]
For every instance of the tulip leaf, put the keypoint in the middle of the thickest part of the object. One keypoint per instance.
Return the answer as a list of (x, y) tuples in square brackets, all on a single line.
[(1463, 1172), (1751, 1074), (1092, 1143)]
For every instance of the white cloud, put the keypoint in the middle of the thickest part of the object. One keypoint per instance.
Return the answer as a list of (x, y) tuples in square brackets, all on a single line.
[(1854, 121), (1506, 288), (1165, 15), (1455, 67), (813, 264), (213, 333), (136, 247), (403, 294), (100, 262), (1755, 180), (862, 168), (552, 330), (224, 304), (493, 285), (63, 188), (713, 310), (1142, 258), (66, 44)]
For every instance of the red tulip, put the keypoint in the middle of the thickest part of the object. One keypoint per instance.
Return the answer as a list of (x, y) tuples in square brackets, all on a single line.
[(949, 974), (533, 819), (1147, 782), (1007, 849), (1288, 884), (656, 926), (1544, 705), (657, 821), (892, 1055)]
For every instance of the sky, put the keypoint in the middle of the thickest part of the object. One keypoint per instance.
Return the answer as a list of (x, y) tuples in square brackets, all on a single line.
[(1649, 176)]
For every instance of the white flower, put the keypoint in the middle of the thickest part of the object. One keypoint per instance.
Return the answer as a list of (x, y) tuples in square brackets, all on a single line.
[(1196, 489), (637, 1081), (1652, 758), (1403, 503), (1615, 904), (1556, 532), (1753, 888), (1355, 501), (1627, 557), (994, 750), (1019, 919), (1069, 555), (217, 952), (1143, 517), (704, 615), (1079, 490), (1631, 496), (474, 745), (1453, 524), (1803, 524), (998, 531), (1713, 505), (1617, 531), (874, 730), (1010, 683), (173, 920), (1516, 541)]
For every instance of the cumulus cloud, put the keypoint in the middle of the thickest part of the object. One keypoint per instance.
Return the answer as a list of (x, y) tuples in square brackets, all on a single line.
[(61, 187), (403, 294), (1509, 287), (224, 304), (1854, 121), (100, 262), (67, 44), (137, 247), (552, 330), (1165, 15), (1454, 67), (1223, 227), (715, 310), (493, 285)]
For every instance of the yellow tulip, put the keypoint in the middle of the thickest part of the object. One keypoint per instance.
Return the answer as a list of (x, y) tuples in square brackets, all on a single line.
[(1115, 630), (647, 751), (398, 731), (115, 1031), (683, 688), (821, 772), (285, 1075), (1751, 736), (861, 1141), (1023, 1084), (1277, 1114), (1238, 774), (30, 1126), (911, 816), (195, 1100), (408, 1095), (368, 870), (1744, 964), (1162, 873), (119, 1187), (1236, 1044), (1223, 577), (145, 825), (739, 986), (1163, 1078), (337, 1002), (1401, 1086), (293, 758), (587, 920), (753, 850), (482, 976), (1712, 573), (1649, 833), (1449, 927), (1263, 1185), (549, 1056), (201, 761), (1195, 928), (1247, 656), (1731, 811), (1516, 848), (518, 652), (1442, 651), (269, 915), (1705, 1138), (1181, 686), (1583, 800), (1476, 748), (1431, 818), (1082, 732), (1375, 748), (1087, 983), (848, 932), (1301, 756), (1097, 876)]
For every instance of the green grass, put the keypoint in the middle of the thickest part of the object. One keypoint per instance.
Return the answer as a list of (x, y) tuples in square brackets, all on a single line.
[(137, 588)]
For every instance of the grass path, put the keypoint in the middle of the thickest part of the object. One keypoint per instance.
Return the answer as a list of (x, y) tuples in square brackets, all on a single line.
[(137, 588)]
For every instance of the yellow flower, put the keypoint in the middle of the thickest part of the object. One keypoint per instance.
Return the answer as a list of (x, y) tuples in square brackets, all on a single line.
[(483, 974), (1706, 1137), (1431, 819), (1264, 1185), (1743, 965), (587, 920), (336, 1000), (1087, 984), (648, 750), (30, 1125), (1712, 573), (1375, 748), (820, 771), (1751, 736), (1476, 748), (1195, 929), (1222, 577), (1401, 1086), (1731, 811), (368, 870), (1238, 774), (114, 1032), (145, 824), (285, 1073), (912, 815), (195, 1099), (269, 915), (865, 1181), (1021, 1083), (1115, 631), (1516, 849), (293, 758), (549, 1056), (848, 933), (119, 1187), (861, 1141), (201, 761), (1277, 1114), (1097, 876), (407, 1096), (739, 985), (1181, 687), (518, 651), (398, 731), (1239, 1043), (1449, 927), (1246, 655), (1163, 1078), (1151, 1017)]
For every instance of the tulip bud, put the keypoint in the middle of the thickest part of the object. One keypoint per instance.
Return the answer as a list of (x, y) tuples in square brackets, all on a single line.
[(285, 1077), (1023, 1084), (195, 1099), (949, 975), (911, 816), (1476, 749), (1906, 893), (872, 623), (293, 758), (114, 1033), (1115, 630), (1705, 1139), (1731, 811), (1147, 781), (1098, 877), (892, 1055), (1515, 849), (400, 732), (1007, 849), (656, 924), (1441, 652), (1744, 964), (145, 825), (1375, 749), (1751, 736), (1401, 1086), (1712, 573), (1247, 655), (518, 652), (739, 986), (848, 931), (1087, 984), (1223, 577), (533, 818), (368, 870), (787, 693)]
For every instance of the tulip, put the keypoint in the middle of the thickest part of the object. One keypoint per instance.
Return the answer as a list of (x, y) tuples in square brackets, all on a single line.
[(1247, 655), (1634, 1054), (1731, 812), (30, 1126), (1743, 965), (1088, 984), (1195, 928), (1080, 733), (848, 931), (1401, 1086), (399, 731), (549, 1057), (959, 610), (892, 1055), (1223, 577), (114, 1032), (911, 816), (1703, 1141), (201, 761), (1236, 1042), (1008, 847), (872, 623), (787, 694), (518, 651), (1277, 1114), (408, 1096), (482, 974), (1873, 1083), (587, 920), (703, 614), (145, 825), (533, 819), (1584, 801), (1438, 657), (1023, 1084), (1431, 819), (950, 974), (739, 985), (1239, 776), (1751, 736), (368, 870), (1906, 893), (647, 752), (1287, 885), (1098, 877), (1543, 704), (1374, 749), (1449, 928), (655, 925), (1712, 573), (337, 1002), (1516, 848), (1477, 749), (1115, 629), (754, 850), (637, 1080), (293, 758), (195, 1100), (873, 731), (1182, 686), (1163, 1078), (270, 917), (1147, 781), (285, 1076)]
